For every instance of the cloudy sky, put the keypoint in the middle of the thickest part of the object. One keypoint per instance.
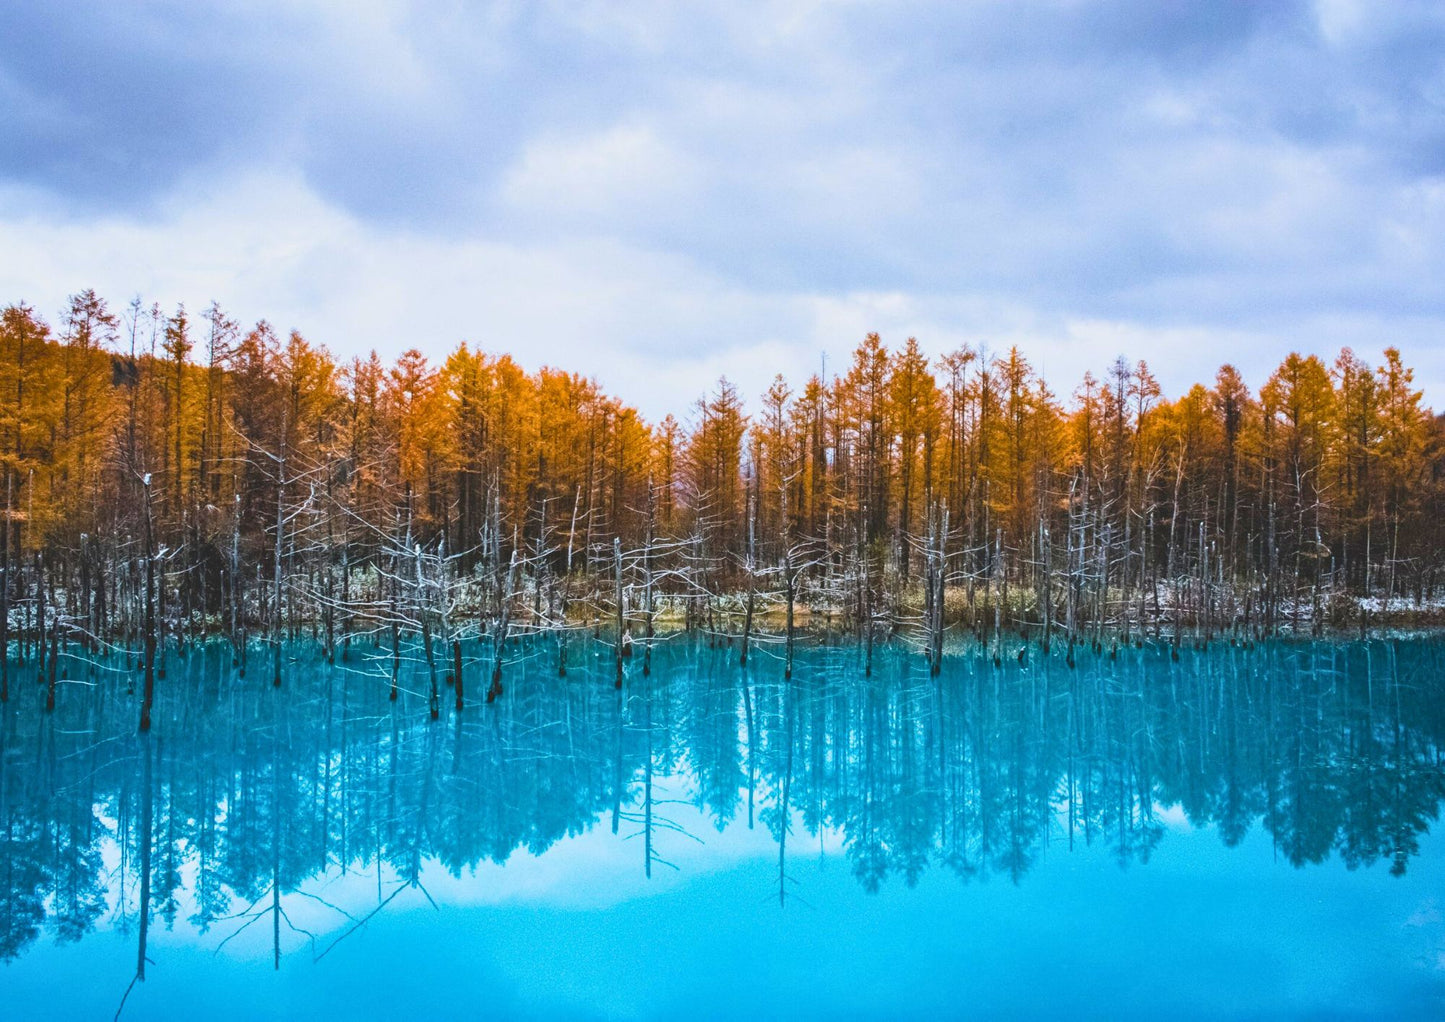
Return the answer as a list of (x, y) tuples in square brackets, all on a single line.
[(656, 193)]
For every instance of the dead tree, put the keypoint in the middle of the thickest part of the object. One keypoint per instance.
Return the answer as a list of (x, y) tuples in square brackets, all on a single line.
[(149, 691)]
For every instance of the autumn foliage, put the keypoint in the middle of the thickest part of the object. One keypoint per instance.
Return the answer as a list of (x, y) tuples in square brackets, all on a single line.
[(1326, 475)]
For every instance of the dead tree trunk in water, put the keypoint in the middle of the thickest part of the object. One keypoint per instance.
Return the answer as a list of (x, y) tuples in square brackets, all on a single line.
[(41, 616), (650, 609), (752, 567), (5, 593), (1046, 603), (50, 675), (238, 595), (329, 567), (865, 597), (276, 564), (936, 579), (449, 631), (395, 643), (149, 691), (457, 668), (504, 623), (791, 577), (424, 612), (621, 610), (999, 594), (567, 591)]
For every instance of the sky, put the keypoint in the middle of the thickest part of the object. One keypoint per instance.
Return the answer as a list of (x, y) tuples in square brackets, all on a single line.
[(658, 193)]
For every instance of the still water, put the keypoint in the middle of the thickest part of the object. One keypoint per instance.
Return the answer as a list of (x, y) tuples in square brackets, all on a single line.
[(1238, 833)]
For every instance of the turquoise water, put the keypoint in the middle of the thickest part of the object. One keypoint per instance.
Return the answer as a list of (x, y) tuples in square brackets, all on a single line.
[(1238, 833)]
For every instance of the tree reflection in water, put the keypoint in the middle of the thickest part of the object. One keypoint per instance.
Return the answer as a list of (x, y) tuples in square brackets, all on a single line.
[(244, 793)]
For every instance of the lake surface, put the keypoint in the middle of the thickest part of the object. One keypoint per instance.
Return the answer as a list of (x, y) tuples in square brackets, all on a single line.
[(1239, 833)]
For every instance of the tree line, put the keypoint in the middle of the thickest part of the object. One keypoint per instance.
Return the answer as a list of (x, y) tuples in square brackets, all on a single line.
[(168, 475)]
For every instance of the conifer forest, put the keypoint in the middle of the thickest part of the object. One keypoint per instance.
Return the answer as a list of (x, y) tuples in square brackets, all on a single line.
[(170, 478)]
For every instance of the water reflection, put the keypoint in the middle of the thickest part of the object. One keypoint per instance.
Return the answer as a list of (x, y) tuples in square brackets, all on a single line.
[(243, 793)]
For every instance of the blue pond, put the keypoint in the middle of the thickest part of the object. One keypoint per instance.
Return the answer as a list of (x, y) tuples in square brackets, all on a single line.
[(1243, 832)]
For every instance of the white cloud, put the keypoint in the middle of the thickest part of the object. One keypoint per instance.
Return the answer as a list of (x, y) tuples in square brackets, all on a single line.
[(620, 172), (656, 194), (653, 326)]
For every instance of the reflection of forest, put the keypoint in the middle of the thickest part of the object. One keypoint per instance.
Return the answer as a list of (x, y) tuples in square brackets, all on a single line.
[(244, 792)]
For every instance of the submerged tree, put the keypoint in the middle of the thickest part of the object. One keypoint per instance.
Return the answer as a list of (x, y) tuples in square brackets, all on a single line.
[(425, 504)]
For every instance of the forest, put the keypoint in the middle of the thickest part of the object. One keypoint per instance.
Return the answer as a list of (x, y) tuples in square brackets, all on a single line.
[(169, 477)]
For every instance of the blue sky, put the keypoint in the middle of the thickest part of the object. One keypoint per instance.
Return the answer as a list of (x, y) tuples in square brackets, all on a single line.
[(656, 193)]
